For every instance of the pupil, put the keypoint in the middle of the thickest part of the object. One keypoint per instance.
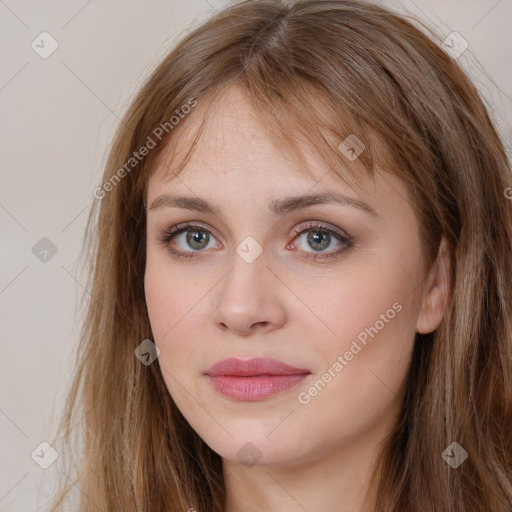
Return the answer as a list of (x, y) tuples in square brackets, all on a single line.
[(195, 237), (318, 237)]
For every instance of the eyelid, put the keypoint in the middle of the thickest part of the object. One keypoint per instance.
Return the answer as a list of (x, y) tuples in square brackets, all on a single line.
[(184, 225), (321, 225), (310, 224)]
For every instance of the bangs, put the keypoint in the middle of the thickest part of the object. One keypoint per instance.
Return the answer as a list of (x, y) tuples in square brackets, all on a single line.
[(298, 115)]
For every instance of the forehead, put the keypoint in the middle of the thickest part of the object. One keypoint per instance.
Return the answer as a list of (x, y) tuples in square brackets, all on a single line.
[(233, 142), (240, 168)]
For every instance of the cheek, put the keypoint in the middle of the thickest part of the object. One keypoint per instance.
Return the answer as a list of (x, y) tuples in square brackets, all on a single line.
[(379, 296), (170, 297), (177, 317), (374, 337), (161, 303), (364, 369), (167, 312), (371, 319)]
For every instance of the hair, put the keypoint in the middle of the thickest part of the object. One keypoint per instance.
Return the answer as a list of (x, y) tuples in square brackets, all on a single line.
[(321, 70)]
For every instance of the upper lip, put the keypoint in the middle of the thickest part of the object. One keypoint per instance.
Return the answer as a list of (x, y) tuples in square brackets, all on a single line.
[(251, 367)]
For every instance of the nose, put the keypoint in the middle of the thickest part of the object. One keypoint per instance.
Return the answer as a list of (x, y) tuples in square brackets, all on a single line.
[(248, 300)]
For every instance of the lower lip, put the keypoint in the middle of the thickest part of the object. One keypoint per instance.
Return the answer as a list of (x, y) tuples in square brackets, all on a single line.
[(258, 387)]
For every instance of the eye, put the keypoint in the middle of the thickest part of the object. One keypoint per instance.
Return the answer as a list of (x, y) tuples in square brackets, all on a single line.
[(186, 239), (320, 237), (190, 238)]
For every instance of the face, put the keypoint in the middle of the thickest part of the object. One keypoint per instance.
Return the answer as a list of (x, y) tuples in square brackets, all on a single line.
[(332, 290)]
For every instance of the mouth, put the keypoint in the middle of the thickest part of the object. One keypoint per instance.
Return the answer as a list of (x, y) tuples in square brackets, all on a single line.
[(254, 379)]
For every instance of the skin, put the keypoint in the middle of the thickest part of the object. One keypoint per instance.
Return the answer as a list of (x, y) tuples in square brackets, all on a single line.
[(314, 456)]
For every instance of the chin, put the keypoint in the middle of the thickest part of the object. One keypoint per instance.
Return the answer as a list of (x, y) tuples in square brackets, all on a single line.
[(258, 447)]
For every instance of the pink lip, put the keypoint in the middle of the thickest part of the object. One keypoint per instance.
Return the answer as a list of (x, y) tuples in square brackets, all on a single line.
[(254, 379)]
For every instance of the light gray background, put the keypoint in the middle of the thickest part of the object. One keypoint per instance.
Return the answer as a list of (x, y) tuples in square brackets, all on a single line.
[(57, 119)]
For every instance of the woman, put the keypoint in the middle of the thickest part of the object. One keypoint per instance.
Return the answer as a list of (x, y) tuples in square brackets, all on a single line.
[(301, 277)]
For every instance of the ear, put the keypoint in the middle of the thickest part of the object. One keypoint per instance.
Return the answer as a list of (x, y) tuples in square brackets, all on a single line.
[(435, 292)]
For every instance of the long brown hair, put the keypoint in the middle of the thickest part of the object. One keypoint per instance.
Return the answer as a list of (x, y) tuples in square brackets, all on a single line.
[(324, 70)]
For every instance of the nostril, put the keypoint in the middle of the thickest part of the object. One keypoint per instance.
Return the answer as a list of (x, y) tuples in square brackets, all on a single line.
[(259, 325)]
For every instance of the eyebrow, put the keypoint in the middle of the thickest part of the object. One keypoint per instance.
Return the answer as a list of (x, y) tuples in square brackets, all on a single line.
[(275, 206)]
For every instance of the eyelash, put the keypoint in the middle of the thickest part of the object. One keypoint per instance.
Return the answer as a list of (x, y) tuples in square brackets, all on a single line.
[(345, 239)]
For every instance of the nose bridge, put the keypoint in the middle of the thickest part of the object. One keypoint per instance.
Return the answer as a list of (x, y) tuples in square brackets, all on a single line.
[(247, 300), (247, 277)]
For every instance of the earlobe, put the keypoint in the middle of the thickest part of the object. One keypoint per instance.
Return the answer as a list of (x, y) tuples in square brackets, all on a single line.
[(436, 292)]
